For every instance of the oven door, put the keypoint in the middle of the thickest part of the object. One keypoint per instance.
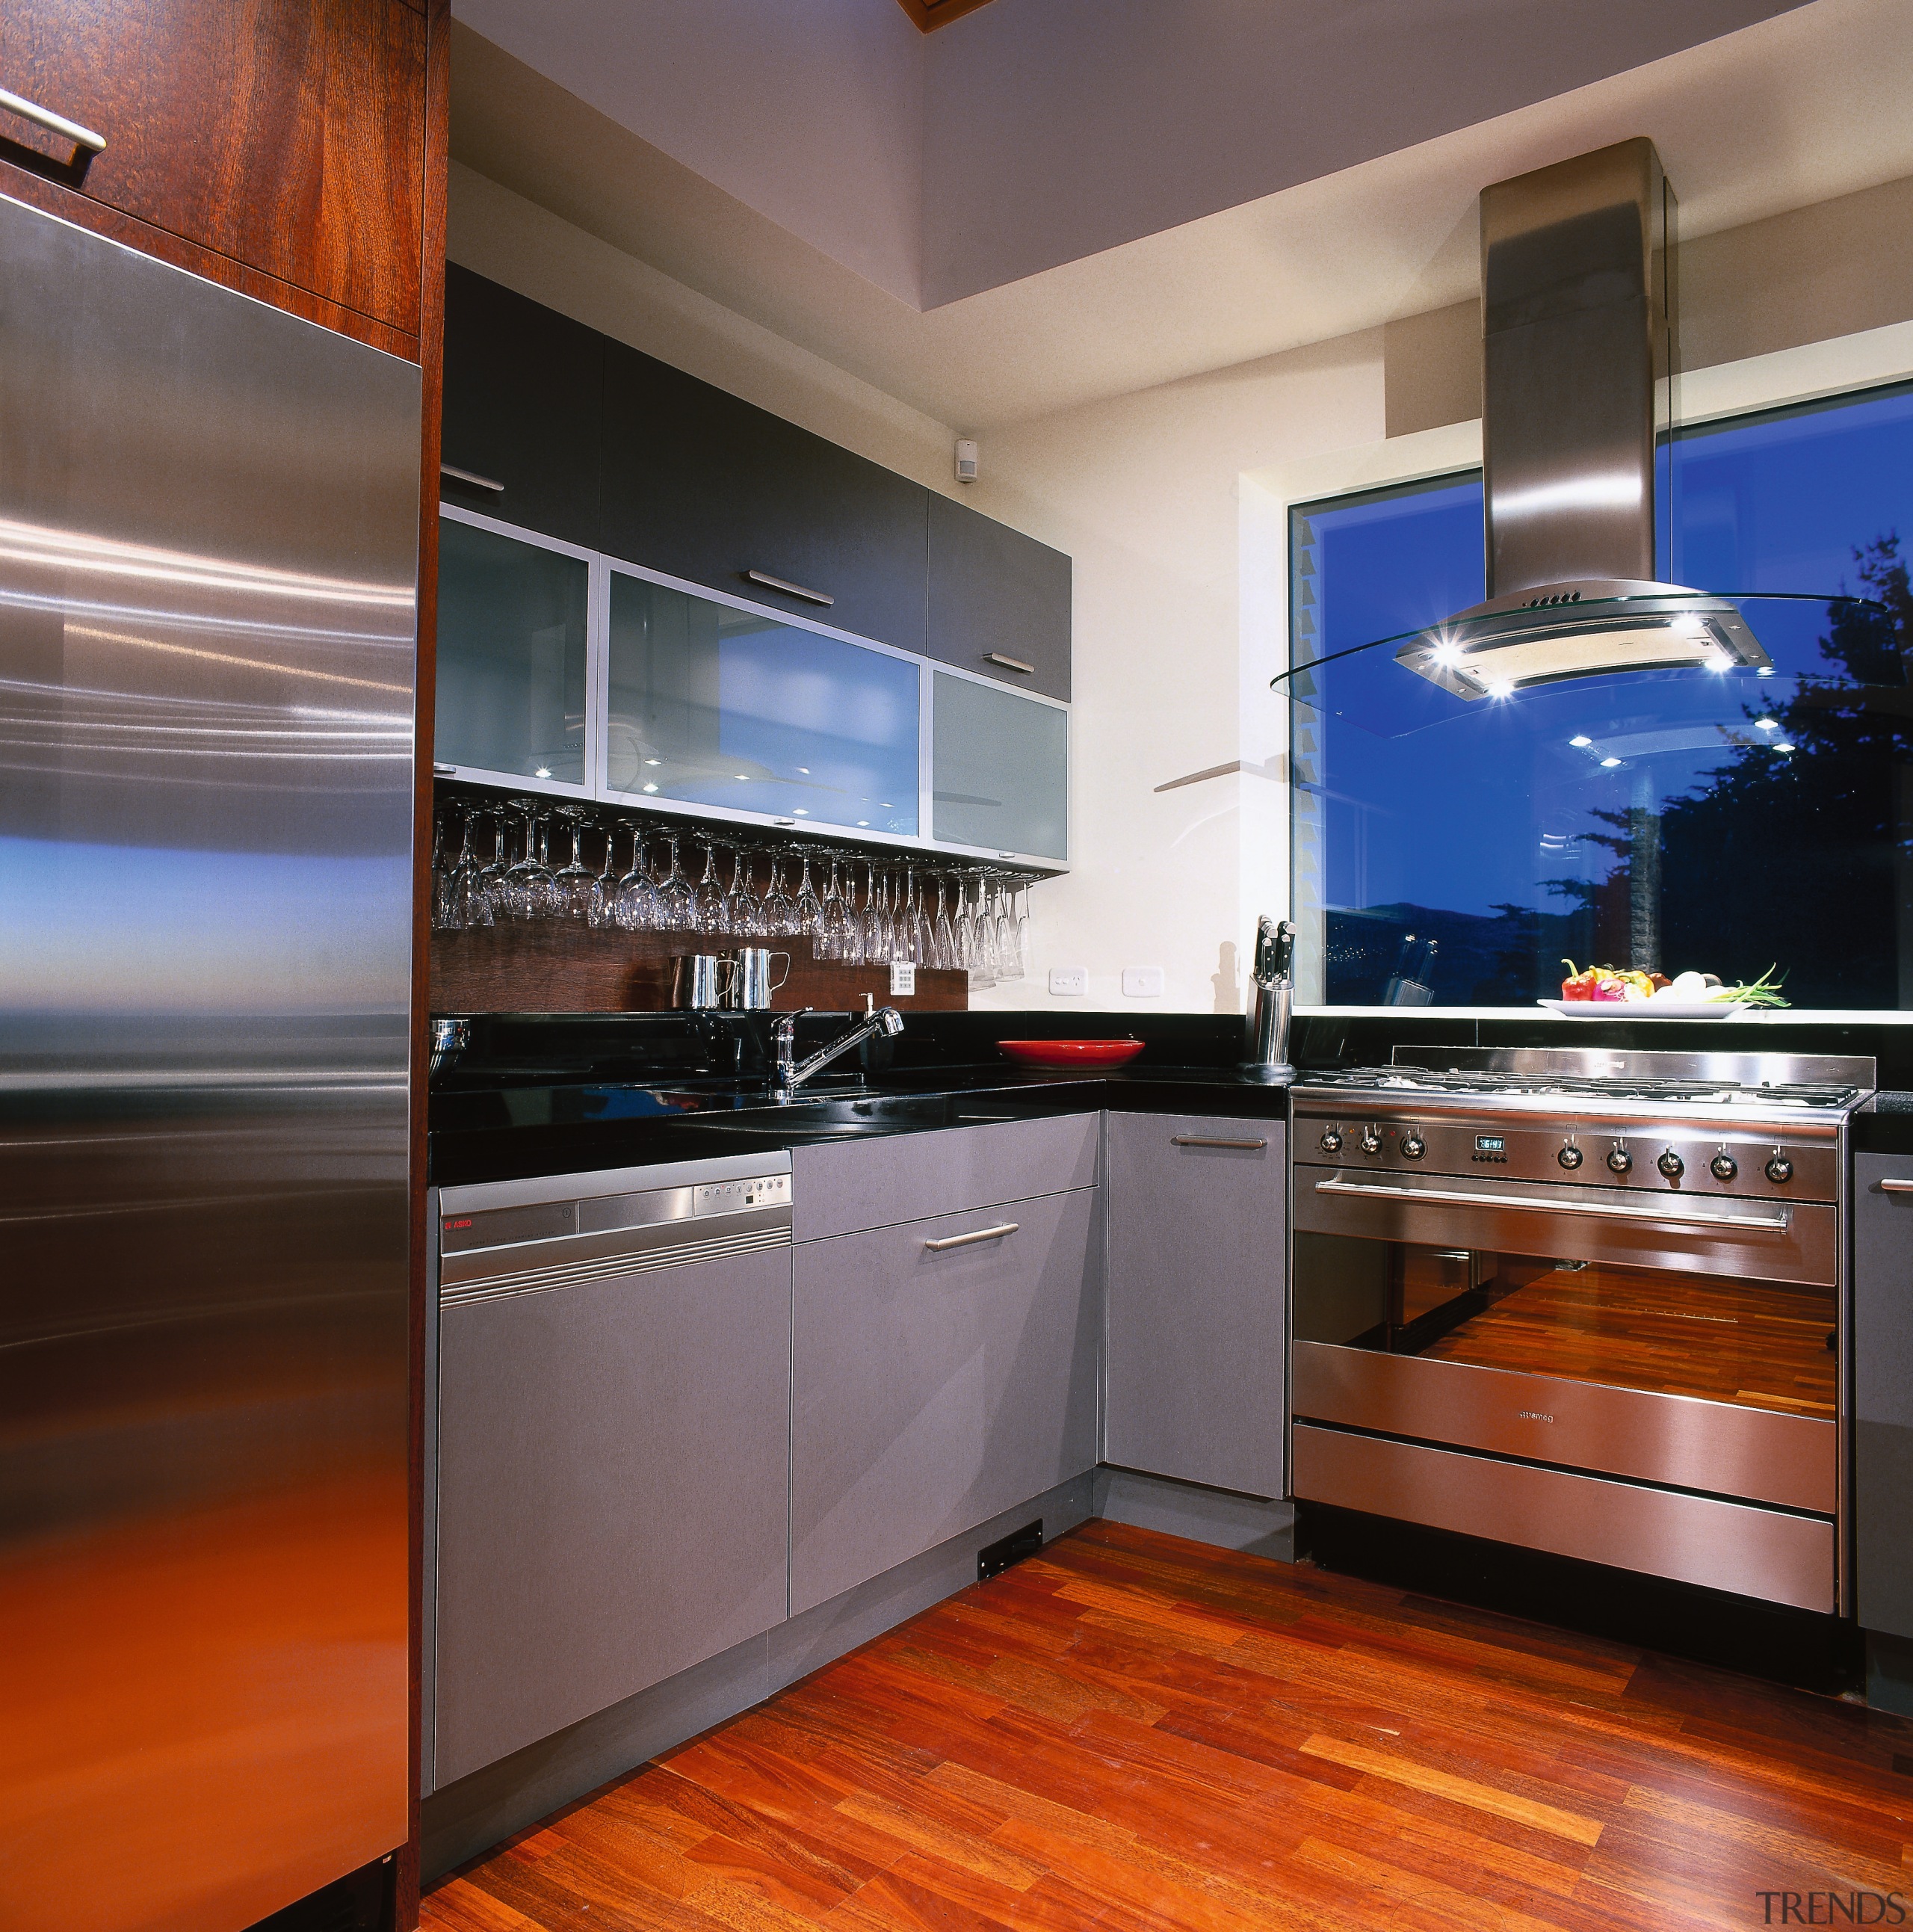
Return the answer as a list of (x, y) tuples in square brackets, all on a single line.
[(1571, 1332)]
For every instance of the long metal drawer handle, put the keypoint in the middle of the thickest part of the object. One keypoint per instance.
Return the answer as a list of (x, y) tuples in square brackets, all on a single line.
[(1599, 1210), (964, 1241), (1202, 1140), (1896, 1187), (54, 124), (784, 584), (1009, 664), (472, 477)]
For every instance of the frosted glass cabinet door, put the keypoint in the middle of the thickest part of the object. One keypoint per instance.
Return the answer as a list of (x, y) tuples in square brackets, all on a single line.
[(511, 656), (1000, 769), (714, 706)]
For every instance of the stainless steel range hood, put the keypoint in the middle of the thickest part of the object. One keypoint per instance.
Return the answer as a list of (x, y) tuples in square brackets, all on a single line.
[(1578, 367)]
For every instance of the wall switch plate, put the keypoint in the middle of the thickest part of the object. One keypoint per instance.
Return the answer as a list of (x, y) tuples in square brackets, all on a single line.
[(1142, 982), (1070, 980), (903, 976)]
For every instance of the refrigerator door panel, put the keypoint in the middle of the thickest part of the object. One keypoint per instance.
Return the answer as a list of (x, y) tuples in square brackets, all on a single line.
[(208, 520)]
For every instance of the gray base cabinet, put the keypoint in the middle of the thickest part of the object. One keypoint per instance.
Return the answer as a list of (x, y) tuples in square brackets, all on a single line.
[(1882, 1351), (613, 1459), (1196, 1310), (936, 1386)]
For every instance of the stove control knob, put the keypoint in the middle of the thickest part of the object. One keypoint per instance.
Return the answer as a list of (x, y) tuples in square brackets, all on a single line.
[(1780, 1169), (1370, 1140), (1672, 1165), (1569, 1157), (1724, 1165), (1413, 1147), (1621, 1160), (1331, 1140)]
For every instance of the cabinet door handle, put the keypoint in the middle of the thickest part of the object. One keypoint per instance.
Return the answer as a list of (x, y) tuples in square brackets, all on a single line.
[(54, 124), (963, 1241), (1896, 1187), (1203, 1140), (1009, 664), (791, 590), (477, 481)]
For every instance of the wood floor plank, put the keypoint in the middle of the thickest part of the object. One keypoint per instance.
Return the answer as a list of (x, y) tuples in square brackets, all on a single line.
[(1136, 1734)]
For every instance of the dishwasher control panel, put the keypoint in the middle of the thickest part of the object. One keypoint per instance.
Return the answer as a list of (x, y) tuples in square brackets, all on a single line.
[(733, 1197)]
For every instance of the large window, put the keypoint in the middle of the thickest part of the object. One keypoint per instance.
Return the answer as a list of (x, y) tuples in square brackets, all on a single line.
[(1664, 820)]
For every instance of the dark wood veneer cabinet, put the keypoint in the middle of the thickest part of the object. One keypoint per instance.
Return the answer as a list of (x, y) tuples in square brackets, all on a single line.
[(703, 486), (997, 594), (523, 388), (288, 137)]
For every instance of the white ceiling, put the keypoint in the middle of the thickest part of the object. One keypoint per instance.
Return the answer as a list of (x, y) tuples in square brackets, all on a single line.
[(1794, 110)]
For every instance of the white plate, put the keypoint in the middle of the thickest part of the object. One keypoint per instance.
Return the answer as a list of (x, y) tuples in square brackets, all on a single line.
[(1644, 1010)]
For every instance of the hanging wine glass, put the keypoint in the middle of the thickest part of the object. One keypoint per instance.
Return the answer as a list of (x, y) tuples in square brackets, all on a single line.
[(707, 896), (674, 893), (808, 908), (943, 941), (779, 912), (444, 866), (524, 882), (982, 937), (636, 906), (602, 910), (744, 911), (1002, 901), (873, 941), (837, 928), (571, 887), (468, 903)]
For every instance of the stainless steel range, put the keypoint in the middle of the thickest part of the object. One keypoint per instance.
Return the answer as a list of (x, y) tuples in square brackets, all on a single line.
[(1586, 1302)]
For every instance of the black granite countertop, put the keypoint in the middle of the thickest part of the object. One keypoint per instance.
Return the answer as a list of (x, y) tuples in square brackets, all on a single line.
[(1884, 1125), (524, 1131)]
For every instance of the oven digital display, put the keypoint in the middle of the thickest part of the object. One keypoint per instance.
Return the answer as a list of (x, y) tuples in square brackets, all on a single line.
[(1490, 1143)]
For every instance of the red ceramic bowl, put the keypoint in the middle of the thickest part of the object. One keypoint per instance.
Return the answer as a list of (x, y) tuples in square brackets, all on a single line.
[(1072, 1052)]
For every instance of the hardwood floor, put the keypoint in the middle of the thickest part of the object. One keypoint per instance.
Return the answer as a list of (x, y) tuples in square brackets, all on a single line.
[(1756, 1343), (1138, 1733)]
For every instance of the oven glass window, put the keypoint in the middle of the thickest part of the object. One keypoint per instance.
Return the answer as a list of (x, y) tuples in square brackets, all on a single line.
[(1720, 1338)]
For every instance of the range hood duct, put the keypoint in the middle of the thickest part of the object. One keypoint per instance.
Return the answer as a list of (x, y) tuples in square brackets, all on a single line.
[(1578, 373)]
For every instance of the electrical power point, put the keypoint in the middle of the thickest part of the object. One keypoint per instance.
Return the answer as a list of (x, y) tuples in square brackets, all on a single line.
[(1070, 980), (1142, 982), (903, 976)]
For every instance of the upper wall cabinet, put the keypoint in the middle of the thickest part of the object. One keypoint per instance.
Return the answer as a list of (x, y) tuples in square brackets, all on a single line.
[(999, 602), (701, 486), (286, 137), (523, 390)]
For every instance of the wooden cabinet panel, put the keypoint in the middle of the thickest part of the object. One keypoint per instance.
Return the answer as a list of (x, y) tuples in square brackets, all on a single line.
[(933, 1389), (993, 591), (1197, 1300), (287, 136), (1882, 1348), (705, 487), (612, 1482), (523, 393)]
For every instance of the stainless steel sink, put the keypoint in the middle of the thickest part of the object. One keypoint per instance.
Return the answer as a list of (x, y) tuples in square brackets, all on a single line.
[(847, 1116)]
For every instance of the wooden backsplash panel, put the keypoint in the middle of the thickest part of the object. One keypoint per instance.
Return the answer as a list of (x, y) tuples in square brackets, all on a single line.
[(550, 968)]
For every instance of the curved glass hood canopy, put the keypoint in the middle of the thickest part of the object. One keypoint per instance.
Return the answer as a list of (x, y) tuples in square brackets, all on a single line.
[(1723, 660)]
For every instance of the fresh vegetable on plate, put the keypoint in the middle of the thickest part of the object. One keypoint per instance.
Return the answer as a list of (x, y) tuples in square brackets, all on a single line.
[(1624, 985)]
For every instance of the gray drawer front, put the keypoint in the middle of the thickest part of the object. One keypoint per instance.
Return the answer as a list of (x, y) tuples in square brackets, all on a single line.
[(933, 1389), (614, 1460), (1882, 1344), (885, 1181)]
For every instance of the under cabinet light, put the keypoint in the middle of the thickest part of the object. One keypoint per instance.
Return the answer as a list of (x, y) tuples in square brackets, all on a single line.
[(1608, 764), (1580, 742)]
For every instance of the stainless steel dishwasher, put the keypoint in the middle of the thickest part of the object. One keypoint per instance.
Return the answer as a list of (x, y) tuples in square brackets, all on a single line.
[(608, 1433)]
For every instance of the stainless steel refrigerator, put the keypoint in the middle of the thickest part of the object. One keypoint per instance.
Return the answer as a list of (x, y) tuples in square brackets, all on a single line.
[(208, 523)]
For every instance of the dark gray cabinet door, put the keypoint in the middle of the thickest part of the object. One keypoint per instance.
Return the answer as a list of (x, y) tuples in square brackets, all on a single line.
[(1883, 1393), (1195, 1352), (995, 593), (703, 486), (523, 400), (933, 1388), (612, 1472)]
